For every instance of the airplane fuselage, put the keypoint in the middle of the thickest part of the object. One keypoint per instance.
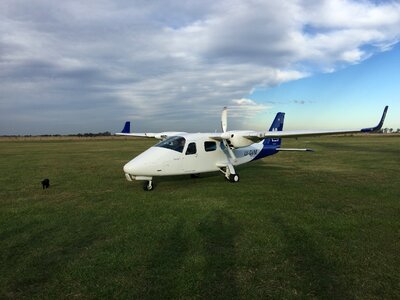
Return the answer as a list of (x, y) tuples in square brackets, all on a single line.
[(199, 154)]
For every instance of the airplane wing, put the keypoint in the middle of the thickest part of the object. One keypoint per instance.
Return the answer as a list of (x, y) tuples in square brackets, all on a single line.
[(160, 135), (260, 135), (137, 134)]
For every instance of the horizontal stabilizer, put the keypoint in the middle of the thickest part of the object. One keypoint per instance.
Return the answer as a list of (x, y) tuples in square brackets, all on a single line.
[(295, 149)]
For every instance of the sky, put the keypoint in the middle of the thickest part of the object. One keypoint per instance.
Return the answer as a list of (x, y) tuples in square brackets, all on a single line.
[(88, 66)]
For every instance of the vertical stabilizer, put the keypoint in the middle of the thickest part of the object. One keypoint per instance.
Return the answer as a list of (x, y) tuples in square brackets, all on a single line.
[(277, 125)]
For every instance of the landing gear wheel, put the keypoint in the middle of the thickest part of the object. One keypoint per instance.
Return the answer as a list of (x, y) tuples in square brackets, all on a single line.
[(148, 186), (194, 175), (234, 178)]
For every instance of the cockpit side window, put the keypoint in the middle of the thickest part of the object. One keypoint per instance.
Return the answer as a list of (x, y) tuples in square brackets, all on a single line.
[(191, 149), (176, 143), (210, 146)]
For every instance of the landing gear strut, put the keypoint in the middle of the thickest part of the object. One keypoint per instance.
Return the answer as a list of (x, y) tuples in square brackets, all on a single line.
[(148, 185), (230, 174)]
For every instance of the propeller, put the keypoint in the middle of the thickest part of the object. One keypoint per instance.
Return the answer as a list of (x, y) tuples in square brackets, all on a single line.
[(224, 119), (225, 137)]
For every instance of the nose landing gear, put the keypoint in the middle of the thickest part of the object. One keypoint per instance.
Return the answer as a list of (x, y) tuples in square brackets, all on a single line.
[(148, 185)]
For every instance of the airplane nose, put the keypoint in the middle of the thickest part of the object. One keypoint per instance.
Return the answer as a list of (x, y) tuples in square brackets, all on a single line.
[(145, 163), (136, 167), (128, 168)]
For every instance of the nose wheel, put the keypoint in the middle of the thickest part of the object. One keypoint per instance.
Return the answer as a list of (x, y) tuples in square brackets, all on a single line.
[(148, 185)]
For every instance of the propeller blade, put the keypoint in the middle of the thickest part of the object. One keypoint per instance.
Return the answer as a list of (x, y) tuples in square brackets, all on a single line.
[(230, 151), (224, 119), (224, 125)]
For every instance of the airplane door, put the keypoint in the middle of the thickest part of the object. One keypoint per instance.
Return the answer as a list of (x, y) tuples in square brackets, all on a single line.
[(190, 159)]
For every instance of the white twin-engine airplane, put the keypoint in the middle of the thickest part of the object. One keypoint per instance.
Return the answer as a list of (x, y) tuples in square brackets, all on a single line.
[(181, 153)]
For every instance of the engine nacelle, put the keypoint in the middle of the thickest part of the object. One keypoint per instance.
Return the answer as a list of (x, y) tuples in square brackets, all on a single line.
[(238, 141)]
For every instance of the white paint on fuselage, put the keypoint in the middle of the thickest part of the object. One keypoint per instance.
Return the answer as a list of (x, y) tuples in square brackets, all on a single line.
[(158, 161)]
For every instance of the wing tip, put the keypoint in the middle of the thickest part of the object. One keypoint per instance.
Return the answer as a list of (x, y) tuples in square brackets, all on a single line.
[(127, 127), (380, 124)]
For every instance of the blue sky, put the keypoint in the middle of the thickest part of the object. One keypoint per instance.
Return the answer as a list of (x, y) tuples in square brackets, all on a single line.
[(87, 66), (355, 95)]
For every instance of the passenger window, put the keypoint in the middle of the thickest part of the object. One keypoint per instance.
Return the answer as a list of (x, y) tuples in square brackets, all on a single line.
[(210, 146), (191, 149)]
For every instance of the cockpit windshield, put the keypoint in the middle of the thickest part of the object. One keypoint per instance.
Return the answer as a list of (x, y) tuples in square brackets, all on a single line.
[(176, 143)]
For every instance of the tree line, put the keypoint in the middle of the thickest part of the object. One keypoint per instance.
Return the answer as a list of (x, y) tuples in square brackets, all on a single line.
[(389, 130), (86, 134)]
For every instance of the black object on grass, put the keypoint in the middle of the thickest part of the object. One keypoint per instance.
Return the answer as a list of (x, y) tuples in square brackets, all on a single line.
[(45, 183)]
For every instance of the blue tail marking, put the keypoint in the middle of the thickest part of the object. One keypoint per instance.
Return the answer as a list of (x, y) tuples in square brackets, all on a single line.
[(127, 127), (270, 145), (277, 125)]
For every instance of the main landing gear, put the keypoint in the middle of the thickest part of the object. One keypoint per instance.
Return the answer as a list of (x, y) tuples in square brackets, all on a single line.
[(233, 178), (148, 185), (230, 174)]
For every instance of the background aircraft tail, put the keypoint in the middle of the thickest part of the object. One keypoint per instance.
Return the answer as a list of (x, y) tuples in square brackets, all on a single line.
[(277, 125)]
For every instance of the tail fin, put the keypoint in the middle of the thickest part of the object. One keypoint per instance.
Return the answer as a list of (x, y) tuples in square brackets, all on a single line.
[(277, 125), (127, 127)]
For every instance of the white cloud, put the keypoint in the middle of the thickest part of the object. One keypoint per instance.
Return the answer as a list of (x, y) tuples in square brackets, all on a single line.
[(244, 109), (170, 60), (244, 101)]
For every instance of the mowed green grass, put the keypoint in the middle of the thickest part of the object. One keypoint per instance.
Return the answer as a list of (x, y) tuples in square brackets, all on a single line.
[(298, 225)]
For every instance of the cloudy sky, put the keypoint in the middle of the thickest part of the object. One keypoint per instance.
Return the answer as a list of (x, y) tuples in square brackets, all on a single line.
[(87, 66)]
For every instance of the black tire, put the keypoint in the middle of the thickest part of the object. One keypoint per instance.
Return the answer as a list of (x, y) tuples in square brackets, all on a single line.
[(194, 175), (234, 178), (148, 186)]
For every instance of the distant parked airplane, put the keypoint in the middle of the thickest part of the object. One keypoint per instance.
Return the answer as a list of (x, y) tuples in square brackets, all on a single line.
[(181, 153)]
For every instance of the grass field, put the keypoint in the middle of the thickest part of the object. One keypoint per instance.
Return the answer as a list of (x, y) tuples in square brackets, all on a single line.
[(298, 225)]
